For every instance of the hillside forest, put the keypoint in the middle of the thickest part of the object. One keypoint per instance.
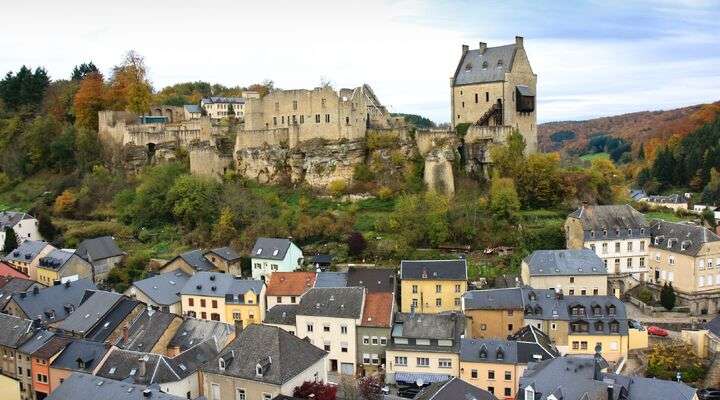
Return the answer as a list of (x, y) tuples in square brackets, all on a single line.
[(56, 168)]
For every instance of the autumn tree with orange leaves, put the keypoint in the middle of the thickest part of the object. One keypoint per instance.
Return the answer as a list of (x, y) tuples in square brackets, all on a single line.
[(89, 99)]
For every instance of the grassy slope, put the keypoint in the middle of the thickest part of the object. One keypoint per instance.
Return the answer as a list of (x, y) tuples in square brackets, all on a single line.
[(590, 157)]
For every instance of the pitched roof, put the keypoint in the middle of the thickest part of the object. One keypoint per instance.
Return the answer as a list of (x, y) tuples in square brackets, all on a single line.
[(494, 299), (56, 259), (164, 289), (681, 238), (55, 303), (281, 314), (378, 310), (219, 284), (333, 302), (196, 259), (38, 339), (428, 326), (109, 323), (372, 279), (714, 326), (90, 353), (488, 65), (226, 253), (290, 283), (193, 331), (219, 99), (87, 387), (146, 330), (14, 330), (327, 279), (8, 271), (434, 269), (284, 355), (503, 351), (99, 248), (52, 347), (565, 262), (10, 286), (27, 251), (611, 222), (95, 305), (270, 248), (192, 108), (454, 389), (9, 219)]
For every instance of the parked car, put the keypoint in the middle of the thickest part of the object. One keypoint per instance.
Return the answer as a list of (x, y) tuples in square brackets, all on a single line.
[(636, 325), (708, 394), (656, 331)]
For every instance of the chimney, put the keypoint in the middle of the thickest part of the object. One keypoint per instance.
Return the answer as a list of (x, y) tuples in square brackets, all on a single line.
[(147, 393), (465, 48), (610, 392), (36, 290), (519, 41), (142, 370), (482, 46), (67, 284), (125, 333), (238, 326)]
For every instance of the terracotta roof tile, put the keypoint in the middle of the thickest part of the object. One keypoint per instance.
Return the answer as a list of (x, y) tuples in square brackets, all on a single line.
[(7, 270), (290, 283), (378, 309)]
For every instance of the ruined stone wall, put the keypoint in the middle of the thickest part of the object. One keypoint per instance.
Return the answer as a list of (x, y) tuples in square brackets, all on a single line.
[(438, 174), (428, 140), (209, 160)]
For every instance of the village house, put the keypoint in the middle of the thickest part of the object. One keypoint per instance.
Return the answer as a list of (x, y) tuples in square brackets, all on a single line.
[(373, 279), (49, 305), (576, 272), (23, 224), (331, 279), (226, 260), (193, 331), (432, 286), (161, 291), (328, 318), (496, 365), (91, 312), (263, 362), (619, 235), (374, 331), (221, 297), (223, 107), (26, 257), (25, 362), (453, 389), (424, 348), (78, 355), (102, 253), (41, 360), (192, 111), (12, 285), (149, 331), (288, 287), (576, 324), (282, 316), (585, 378), (14, 331), (688, 258), (274, 255), (60, 265), (189, 262), (674, 202), (81, 386)]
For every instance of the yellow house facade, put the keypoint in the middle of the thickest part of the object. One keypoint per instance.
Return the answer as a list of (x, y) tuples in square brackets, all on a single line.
[(432, 286), (59, 264), (217, 296)]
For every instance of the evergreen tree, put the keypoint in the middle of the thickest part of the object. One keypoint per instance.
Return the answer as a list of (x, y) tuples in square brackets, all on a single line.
[(667, 297), (82, 70), (24, 89), (11, 240), (641, 152)]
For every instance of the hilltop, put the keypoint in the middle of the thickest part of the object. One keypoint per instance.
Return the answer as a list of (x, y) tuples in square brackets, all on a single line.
[(638, 127)]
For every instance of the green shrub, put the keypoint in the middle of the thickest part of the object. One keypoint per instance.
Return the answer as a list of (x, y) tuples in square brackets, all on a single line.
[(377, 140), (645, 295), (337, 187)]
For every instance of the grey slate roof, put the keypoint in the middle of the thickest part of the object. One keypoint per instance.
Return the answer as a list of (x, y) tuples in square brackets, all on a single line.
[(226, 253), (146, 329), (87, 351), (192, 108), (478, 66), (61, 299), (281, 314), (331, 279), (9, 219), (193, 331), (565, 262), (332, 302), (196, 259), (36, 341), (109, 323), (26, 251), (611, 222), (372, 279), (671, 199), (270, 248), (503, 351), (218, 284), (219, 99), (14, 330), (163, 289), (56, 259), (447, 326), (87, 387), (99, 248), (545, 304), (572, 377), (681, 238), (454, 389), (287, 355), (714, 326), (94, 307), (14, 285), (434, 269)]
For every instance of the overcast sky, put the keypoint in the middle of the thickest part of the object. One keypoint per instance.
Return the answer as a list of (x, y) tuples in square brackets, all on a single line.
[(592, 58)]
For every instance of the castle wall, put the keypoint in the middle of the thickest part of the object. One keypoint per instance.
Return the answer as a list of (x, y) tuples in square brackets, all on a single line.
[(428, 140), (464, 105), (206, 160)]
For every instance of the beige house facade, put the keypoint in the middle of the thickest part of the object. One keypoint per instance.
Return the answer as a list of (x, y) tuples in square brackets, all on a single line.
[(575, 272)]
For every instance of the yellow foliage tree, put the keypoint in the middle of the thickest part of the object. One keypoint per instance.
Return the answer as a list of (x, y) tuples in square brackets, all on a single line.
[(65, 203)]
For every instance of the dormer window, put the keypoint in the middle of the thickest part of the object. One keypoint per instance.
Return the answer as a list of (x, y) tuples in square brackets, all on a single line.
[(484, 65), (592, 233), (468, 66), (221, 364), (605, 232), (258, 370), (532, 296), (597, 310), (500, 354), (275, 252), (258, 252), (500, 63), (614, 327), (611, 310), (599, 326), (483, 352)]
